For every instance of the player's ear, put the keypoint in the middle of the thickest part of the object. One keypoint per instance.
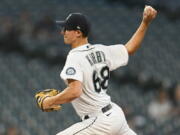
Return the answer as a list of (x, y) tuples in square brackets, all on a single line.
[(79, 33)]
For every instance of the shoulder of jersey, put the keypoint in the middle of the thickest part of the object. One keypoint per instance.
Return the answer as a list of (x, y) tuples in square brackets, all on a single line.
[(74, 56), (76, 52), (100, 46)]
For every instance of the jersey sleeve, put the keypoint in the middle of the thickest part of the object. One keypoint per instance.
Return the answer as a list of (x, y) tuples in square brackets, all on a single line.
[(117, 56), (72, 69)]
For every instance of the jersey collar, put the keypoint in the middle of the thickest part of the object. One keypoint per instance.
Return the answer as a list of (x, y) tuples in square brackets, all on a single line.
[(81, 48)]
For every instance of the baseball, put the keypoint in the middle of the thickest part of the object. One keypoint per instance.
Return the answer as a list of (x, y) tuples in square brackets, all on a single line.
[(147, 8)]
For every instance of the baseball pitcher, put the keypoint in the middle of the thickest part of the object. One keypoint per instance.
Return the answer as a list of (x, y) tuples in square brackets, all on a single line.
[(87, 72)]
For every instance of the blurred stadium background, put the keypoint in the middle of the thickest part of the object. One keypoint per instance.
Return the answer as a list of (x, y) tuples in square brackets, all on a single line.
[(32, 54)]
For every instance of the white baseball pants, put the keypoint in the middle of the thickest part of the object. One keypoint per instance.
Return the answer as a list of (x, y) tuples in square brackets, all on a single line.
[(112, 122)]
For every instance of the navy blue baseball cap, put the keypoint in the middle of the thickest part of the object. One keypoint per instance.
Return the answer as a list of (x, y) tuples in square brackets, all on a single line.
[(76, 21)]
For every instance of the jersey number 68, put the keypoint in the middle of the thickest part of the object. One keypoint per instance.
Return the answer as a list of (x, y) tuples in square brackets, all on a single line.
[(101, 82)]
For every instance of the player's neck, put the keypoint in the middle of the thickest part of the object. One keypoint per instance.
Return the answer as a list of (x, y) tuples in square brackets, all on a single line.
[(79, 42)]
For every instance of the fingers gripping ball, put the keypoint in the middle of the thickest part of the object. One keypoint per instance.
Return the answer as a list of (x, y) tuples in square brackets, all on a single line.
[(149, 14), (42, 95)]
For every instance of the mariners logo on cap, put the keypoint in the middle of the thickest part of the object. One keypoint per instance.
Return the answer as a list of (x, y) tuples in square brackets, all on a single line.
[(70, 71)]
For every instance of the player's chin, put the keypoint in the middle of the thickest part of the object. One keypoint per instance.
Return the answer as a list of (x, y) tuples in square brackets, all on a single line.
[(67, 41)]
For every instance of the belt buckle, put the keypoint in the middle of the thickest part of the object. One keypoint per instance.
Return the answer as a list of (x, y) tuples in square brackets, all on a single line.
[(106, 108)]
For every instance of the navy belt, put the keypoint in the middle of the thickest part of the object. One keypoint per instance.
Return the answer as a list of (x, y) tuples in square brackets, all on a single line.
[(104, 109)]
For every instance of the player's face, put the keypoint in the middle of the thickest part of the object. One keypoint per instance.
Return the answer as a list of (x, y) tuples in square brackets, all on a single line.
[(70, 36)]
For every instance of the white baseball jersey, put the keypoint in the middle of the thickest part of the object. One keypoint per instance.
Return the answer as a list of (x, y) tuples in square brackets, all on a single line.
[(91, 65)]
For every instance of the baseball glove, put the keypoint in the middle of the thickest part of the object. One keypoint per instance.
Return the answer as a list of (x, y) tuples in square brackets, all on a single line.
[(41, 95)]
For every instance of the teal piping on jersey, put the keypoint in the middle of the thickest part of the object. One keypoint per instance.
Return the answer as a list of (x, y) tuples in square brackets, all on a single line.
[(86, 127)]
